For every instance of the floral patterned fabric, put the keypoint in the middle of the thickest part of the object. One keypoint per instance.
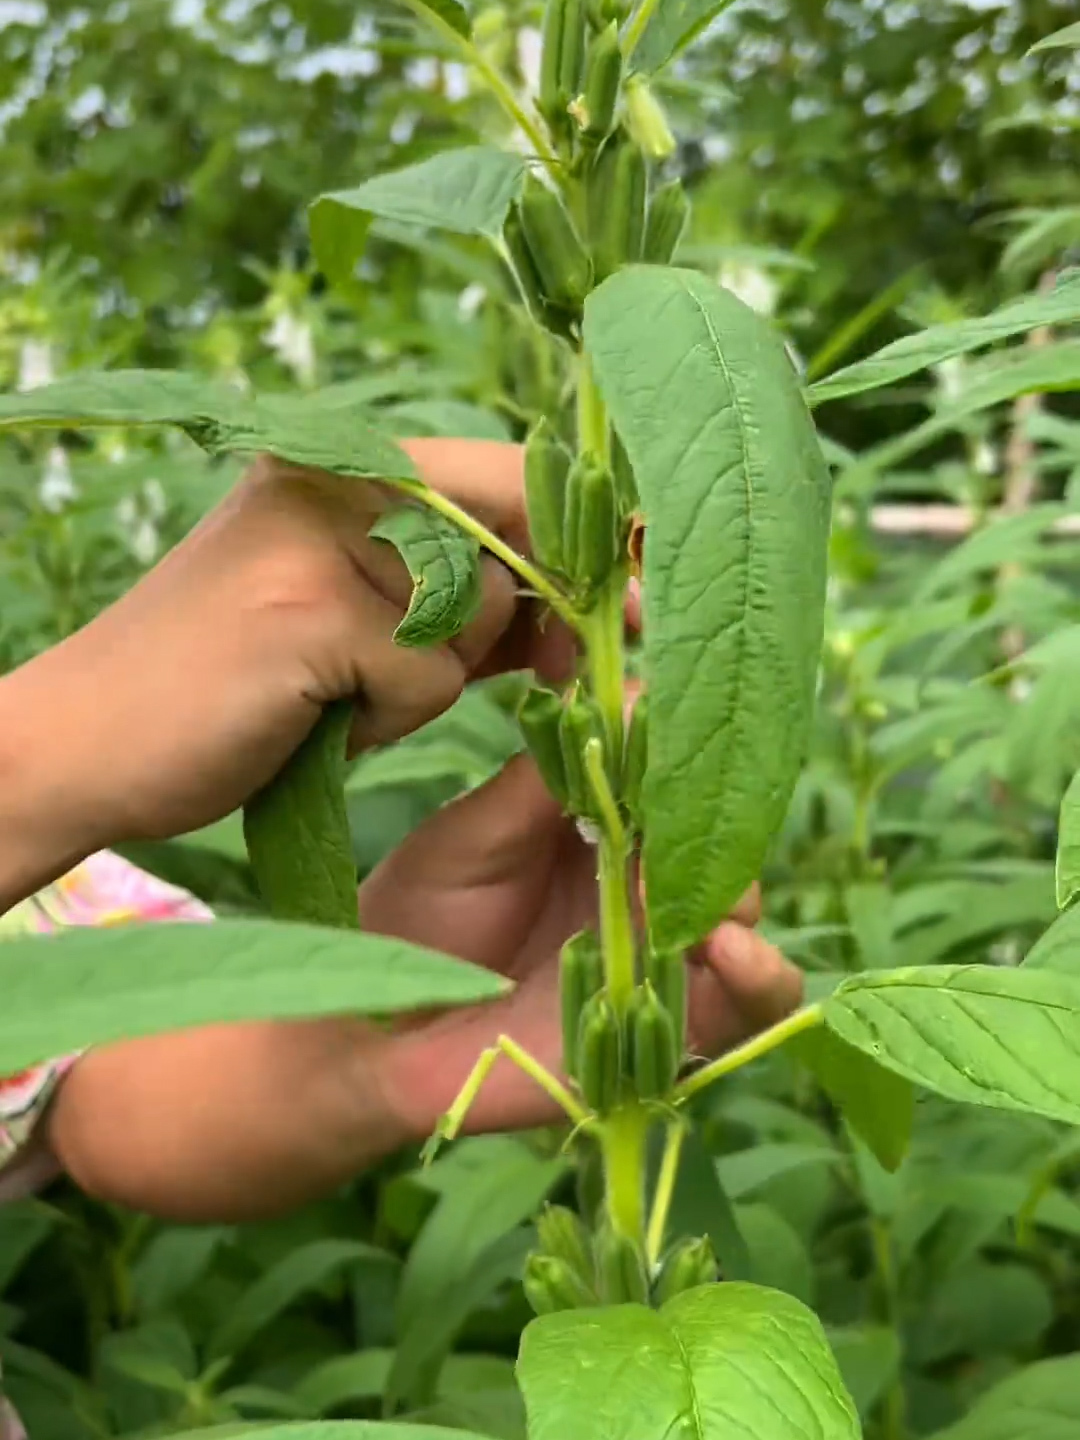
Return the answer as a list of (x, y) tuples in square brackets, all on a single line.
[(104, 890)]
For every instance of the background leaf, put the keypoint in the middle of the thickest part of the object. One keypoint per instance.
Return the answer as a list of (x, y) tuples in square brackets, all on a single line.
[(444, 564)]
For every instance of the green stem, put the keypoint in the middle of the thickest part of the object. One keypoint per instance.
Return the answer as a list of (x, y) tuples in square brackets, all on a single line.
[(493, 78), (533, 578), (636, 26), (623, 1140), (665, 1191), (762, 1044), (895, 1403)]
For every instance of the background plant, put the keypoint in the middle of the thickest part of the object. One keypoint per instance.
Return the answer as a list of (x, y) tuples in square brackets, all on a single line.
[(964, 864)]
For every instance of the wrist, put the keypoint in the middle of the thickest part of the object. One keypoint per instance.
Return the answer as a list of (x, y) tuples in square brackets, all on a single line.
[(47, 824)]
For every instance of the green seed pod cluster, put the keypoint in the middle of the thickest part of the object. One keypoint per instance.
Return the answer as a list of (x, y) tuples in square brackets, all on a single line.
[(620, 1268), (591, 530), (562, 1235), (580, 722), (551, 1285), (539, 716), (617, 188), (562, 54), (599, 1055), (652, 1048), (646, 121), (669, 210), (560, 259), (547, 471), (665, 973), (635, 756), (549, 316), (687, 1264), (581, 977)]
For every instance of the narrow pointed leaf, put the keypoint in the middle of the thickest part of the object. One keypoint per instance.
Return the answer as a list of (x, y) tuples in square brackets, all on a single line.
[(446, 13), (878, 1104), (89, 986), (736, 496), (1061, 306), (988, 1035), (1067, 867), (322, 429), (674, 24), (444, 564), (722, 1362), (297, 831), (468, 191), (1065, 39)]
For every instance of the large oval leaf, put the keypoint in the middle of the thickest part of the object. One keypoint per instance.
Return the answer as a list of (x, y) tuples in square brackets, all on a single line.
[(724, 1362), (329, 1430), (736, 497), (984, 1034), (89, 986)]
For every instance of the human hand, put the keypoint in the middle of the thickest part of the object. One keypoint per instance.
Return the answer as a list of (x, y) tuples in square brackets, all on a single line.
[(502, 878), (171, 708)]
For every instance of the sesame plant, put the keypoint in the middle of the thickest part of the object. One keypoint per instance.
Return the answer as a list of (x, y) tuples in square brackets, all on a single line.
[(685, 456)]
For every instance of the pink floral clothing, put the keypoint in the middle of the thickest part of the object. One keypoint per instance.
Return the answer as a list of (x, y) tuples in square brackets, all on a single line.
[(104, 890)]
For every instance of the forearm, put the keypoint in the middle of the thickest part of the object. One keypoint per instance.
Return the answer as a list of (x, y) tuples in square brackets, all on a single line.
[(45, 824), (227, 1124)]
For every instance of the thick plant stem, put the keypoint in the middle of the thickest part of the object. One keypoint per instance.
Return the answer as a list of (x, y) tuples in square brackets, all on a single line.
[(623, 1140), (895, 1403)]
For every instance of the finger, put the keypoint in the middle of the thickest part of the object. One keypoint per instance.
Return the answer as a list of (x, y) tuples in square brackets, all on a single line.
[(748, 910), (759, 987)]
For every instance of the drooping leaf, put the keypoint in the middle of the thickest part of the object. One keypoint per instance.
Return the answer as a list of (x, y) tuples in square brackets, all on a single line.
[(322, 429), (294, 1275), (672, 27), (1067, 38), (736, 496), (468, 191), (1067, 866), (744, 1171), (89, 986), (444, 564), (297, 831), (987, 1035), (878, 1104), (716, 1363), (779, 1256), (1061, 306), (1040, 1400)]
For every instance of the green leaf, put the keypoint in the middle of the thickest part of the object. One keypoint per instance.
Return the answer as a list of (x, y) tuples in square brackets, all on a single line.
[(297, 1273), (942, 342), (344, 1380), (744, 1171), (469, 1245), (444, 564), (468, 190), (982, 1308), (1040, 1400), (172, 1262), (878, 1104), (778, 1254), (701, 1206), (1067, 865), (323, 429), (89, 986), (987, 1035), (736, 497), (869, 1359), (673, 26), (297, 831), (1065, 39), (716, 1363), (449, 12)]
